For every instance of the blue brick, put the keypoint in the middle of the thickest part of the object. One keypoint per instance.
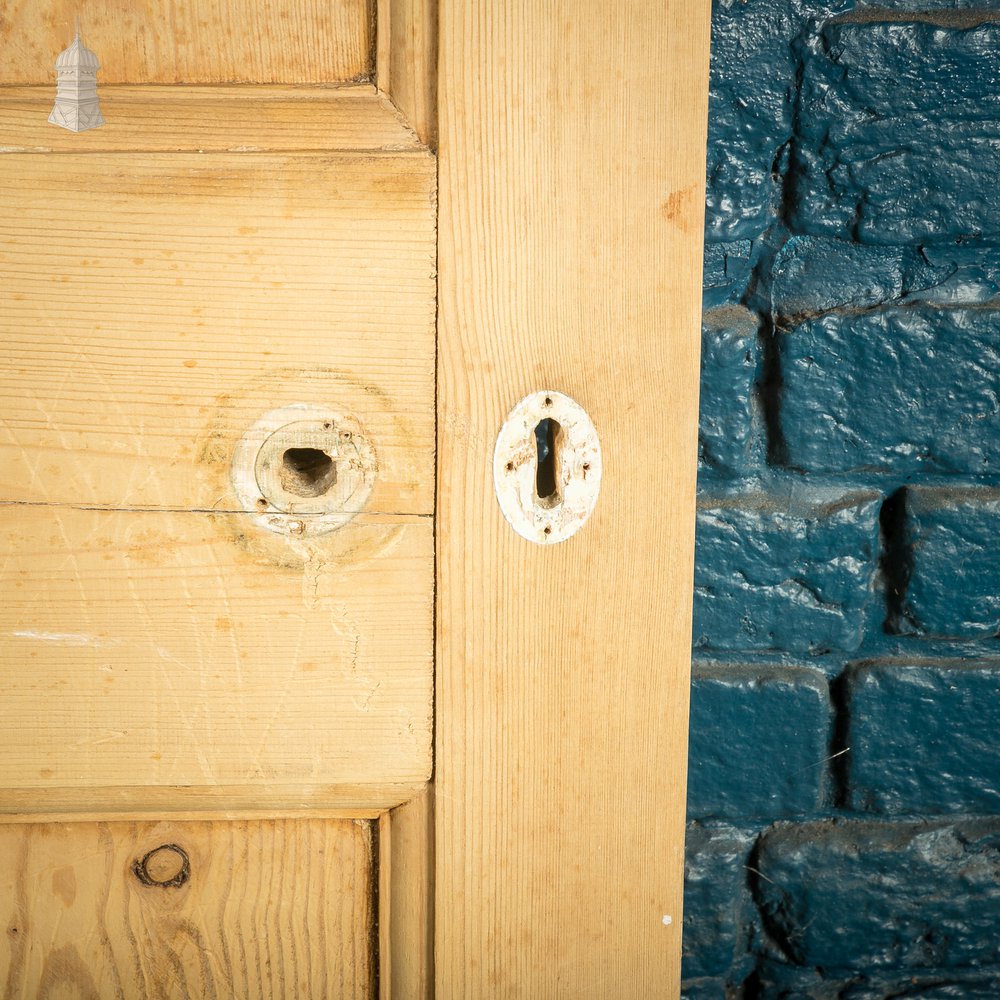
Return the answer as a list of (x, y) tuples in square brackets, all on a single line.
[(776, 572), (969, 12), (751, 107), (775, 981), (726, 273), (954, 584), (814, 275), (705, 989), (924, 737), (959, 274), (758, 738), (897, 133), (882, 895), (894, 390), (727, 436), (717, 907), (941, 984)]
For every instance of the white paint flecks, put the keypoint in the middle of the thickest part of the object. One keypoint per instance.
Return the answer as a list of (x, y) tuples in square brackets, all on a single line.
[(577, 457), (667, 920)]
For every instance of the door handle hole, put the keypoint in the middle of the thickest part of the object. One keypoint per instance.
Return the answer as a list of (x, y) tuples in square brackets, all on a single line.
[(307, 472), (547, 433)]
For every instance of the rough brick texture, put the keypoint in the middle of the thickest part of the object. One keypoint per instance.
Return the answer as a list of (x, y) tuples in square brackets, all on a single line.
[(779, 981), (954, 584), (716, 899), (752, 97), (726, 436), (705, 988), (749, 116), (813, 275), (850, 378), (968, 12), (845, 702), (775, 574), (759, 736), (899, 895), (727, 271), (924, 737), (897, 133)]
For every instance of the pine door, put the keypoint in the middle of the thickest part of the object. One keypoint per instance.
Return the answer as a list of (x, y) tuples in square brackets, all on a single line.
[(289, 706)]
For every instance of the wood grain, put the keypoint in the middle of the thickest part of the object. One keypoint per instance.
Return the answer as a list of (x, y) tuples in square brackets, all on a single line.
[(406, 899), (271, 909), (183, 648), (53, 804), (182, 41), (216, 119), (157, 304), (572, 153), (406, 61)]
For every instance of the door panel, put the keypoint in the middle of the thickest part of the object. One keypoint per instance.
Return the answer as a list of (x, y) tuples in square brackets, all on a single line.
[(193, 41), (264, 908), (155, 648), (187, 616), (158, 304)]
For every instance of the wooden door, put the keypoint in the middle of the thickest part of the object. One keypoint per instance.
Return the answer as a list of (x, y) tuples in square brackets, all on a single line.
[(288, 708)]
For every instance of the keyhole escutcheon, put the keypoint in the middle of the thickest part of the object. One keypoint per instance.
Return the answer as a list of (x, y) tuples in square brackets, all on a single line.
[(547, 467)]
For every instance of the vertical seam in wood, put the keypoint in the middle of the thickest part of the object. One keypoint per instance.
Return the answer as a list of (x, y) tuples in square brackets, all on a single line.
[(375, 833), (373, 19), (382, 78)]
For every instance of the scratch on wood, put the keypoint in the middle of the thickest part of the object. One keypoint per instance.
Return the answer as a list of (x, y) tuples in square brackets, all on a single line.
[(109, 736), (68, 638)]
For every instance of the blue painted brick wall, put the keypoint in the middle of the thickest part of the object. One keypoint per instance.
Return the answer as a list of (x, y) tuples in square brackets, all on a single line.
[(954, 584), (886, 107), (728, 368), (849, 894), (774, 571), (716, 888), (756, 736), (924, 736), (844, 779), (851, 375)]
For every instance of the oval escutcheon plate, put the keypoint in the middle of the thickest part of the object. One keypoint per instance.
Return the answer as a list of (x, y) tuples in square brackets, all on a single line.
[(547, 467)]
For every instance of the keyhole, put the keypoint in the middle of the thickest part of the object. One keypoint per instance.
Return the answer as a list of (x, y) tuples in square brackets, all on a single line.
[(546, 471), (307, 472)]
